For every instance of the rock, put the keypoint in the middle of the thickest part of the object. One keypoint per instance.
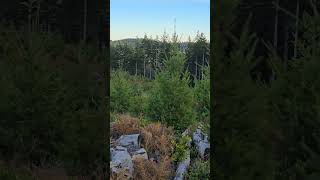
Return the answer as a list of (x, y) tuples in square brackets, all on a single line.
[(132, 141), (203, 149), (197, 136), (121, 162), (140, 153), (202, 143), (182, 168)]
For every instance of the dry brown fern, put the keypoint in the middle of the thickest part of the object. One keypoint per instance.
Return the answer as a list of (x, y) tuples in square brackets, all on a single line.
[(149, 170), (125, 124), (157, 137)]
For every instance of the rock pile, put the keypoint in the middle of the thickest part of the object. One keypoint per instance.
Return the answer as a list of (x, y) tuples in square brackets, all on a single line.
[(128, 148), (123, 151)]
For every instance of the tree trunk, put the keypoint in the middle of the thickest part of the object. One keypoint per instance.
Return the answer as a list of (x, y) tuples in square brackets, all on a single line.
[(85, 21), (275, 40), (136, 68), (29, 18), (144, 68), (202, 69), (150, 71), (297, 31), (314, 7), (285, 52), (196, 67), (38, 16)]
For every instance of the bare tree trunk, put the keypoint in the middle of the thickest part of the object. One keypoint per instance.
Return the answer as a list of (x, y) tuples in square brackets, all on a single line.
[(29, 18), (85, 21), (275, 40), (202, 68), (297, 31), (150, 69), (136, 67), (144, 68), (38, 16), (285, 52), (197, 67), (314, 7)]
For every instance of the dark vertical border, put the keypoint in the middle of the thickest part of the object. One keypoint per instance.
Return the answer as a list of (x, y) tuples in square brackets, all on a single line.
[(108, 87), (107, 75), (211, 89)]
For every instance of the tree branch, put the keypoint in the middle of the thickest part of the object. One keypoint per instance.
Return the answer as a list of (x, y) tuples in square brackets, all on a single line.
[(284, 10)]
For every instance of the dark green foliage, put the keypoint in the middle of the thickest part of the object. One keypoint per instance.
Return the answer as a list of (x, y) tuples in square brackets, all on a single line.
[(266, 131), (199, 170), (138, 101), (242, 149), (171, 100), (147, 55), (202, 95), (52, 107), (295, 101), (120, 91), (10, 174)]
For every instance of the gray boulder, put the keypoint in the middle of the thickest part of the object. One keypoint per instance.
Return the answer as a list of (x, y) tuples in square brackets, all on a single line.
[(182, 168), (132, 141), (140, 153), (202, 143), (121, 161)]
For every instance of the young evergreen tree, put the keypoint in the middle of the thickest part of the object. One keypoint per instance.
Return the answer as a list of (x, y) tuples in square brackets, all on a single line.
[(171, 100)]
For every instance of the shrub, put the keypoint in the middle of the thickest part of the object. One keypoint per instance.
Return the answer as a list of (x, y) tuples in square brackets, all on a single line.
[(180, 148), (138, 101), (171, 99), (199, 170), (202, 96), (120, 91)]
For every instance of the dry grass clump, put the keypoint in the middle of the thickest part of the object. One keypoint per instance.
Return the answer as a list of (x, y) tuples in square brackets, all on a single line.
[(125, 124), (121, 175), (157, 137), (149, 170)]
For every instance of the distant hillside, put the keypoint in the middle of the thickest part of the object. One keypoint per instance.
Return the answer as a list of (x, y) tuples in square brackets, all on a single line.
[(133, 41), (130, 41)]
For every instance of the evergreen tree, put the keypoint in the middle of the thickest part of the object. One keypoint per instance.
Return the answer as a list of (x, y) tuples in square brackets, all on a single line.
[(172, 99)]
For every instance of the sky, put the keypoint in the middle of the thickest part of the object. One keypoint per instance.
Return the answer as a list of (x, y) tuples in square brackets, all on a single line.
[(135, 18)]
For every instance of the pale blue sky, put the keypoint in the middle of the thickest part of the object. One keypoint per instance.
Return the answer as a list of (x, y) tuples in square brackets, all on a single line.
[(132, 18)]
